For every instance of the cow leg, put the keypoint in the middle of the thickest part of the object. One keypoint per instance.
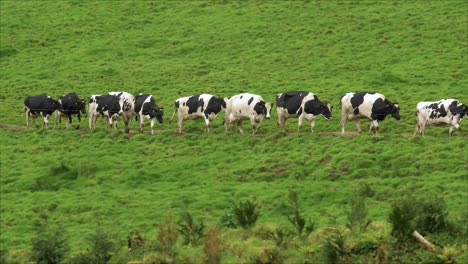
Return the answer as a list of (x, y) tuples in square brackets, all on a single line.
[(281, 121), (35, 121), (27, 118), (207, 124), (357, 125), (45, 121), (127, 120), (253, 124), (299, 123), (226, 122), (416, 129), (67, 121), (239, 125), (344, 116), (56, 119), (179, 123), (312, 125), (141, 121), (152, 125), (452, 128), (374, 125)]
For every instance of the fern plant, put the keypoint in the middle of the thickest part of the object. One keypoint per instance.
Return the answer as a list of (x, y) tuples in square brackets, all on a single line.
[(246, 213), (302, 226), (191, 231)]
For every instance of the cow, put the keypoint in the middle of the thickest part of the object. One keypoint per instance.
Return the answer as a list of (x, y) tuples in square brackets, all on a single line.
[(246, 106), (443, 112), (108, 106), (302, 105), (128, 107), (367, 105), (204, 106), (35, 106), (70, 104), (145, 107)]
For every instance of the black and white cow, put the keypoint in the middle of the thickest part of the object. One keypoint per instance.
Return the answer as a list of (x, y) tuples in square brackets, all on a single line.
[(204, 106), (302, 105), (365, 105), (35, 106), (108, 106), (246, 106), (443, 112), (70, 104), (145, 107), (128, 108)]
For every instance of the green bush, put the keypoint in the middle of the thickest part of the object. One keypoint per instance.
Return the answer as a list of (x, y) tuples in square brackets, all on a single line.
[(357, 213), (191, 231), (302, 226), (167, 237), (401, 217), (49, 244), (228, 219), (246, 213), (101, 246), (334, 249), (432, 215)]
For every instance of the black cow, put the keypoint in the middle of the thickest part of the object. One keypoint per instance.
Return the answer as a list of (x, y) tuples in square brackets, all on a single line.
[(107, 106), (204, 106), (145, 107), (302, 105), (70, 104), (373, 106), (40, 105)]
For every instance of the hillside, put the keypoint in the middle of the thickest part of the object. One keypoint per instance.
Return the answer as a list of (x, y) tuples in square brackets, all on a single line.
[(409, 51)]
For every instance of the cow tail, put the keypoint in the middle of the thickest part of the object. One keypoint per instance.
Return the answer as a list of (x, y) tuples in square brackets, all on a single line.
[(176, 106), (173, 114)]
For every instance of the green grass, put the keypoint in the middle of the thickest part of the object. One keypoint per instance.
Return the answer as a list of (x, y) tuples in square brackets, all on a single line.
[(409, 51)]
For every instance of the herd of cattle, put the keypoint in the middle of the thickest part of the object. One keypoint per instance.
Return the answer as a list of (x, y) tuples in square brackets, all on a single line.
[(246, 106)]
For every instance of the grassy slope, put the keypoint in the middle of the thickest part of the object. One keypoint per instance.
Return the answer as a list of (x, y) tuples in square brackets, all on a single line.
[(408, 51)]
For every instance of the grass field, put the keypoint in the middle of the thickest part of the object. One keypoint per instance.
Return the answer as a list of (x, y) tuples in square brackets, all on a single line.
[(409, 51)]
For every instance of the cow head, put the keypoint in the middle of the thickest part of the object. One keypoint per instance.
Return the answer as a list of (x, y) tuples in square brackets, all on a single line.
[(394, 109), (224, 102), (158, 113), (458, 108), (268, 107), (263, 108), (81, 106), (326, 111)]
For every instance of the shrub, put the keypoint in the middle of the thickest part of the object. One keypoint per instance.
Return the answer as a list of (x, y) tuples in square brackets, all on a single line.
[(357, 214), (246, 213), (228, 219), (269, 256), (301, 226), (334, 249), (191, 231), (432, 215), (214, 246), (167, 237), (135, 240), (3, 256), (101, 246), (428, 215), (401, 217), (49, 245)]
